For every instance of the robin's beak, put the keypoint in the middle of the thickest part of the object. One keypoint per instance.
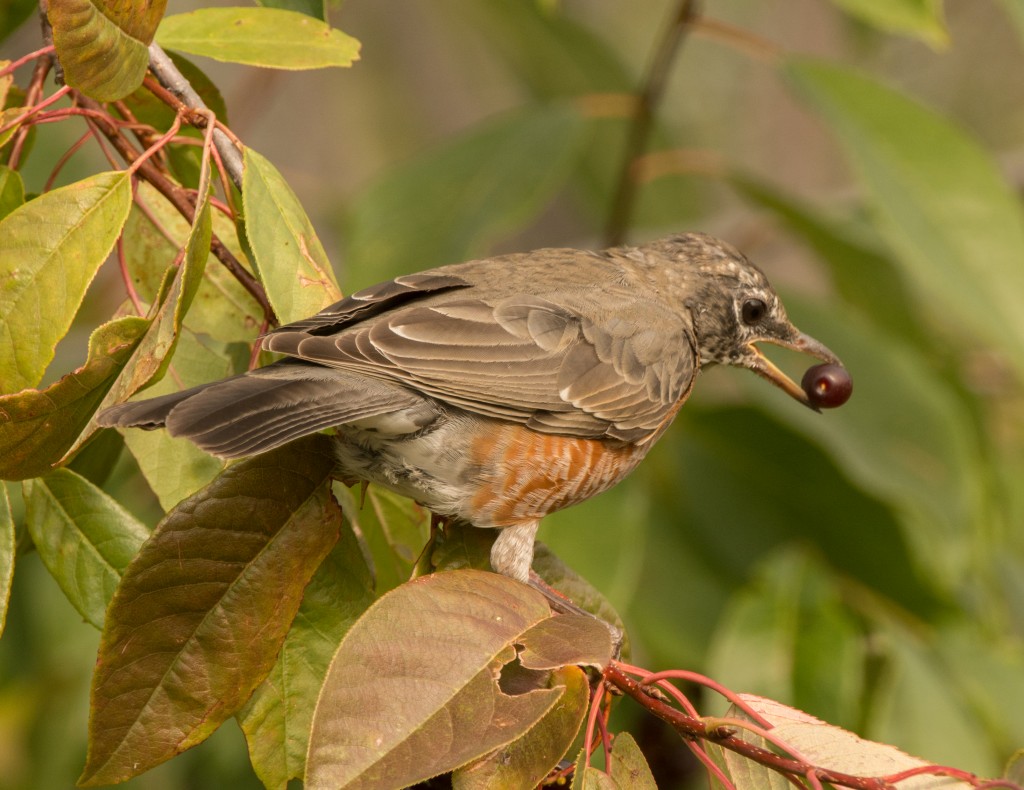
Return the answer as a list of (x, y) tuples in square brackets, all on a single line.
[(797, 341)]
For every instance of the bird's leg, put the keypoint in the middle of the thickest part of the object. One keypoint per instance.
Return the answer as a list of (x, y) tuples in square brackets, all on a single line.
[(512, 555)]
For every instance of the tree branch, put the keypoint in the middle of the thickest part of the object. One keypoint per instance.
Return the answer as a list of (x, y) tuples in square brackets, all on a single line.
[(689, 728), (651, 92), (167, 74), (180, 198)]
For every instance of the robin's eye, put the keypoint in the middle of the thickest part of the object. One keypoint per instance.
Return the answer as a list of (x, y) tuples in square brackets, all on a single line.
[(753, 311)]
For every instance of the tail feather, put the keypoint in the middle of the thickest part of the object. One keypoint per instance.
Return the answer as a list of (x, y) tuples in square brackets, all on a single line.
[(263, 409)]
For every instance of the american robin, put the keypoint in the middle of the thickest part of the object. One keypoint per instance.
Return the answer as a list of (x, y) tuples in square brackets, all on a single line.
[(500, 390)]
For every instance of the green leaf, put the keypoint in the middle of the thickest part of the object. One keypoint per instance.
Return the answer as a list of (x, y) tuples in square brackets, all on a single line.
[(906, 439), (939, 198), (629, 768), (37, 427), (527, 760), (7, 551), (153, 355), (808, 645), (84, 537), (102, 44), (411, 692), (222, 308), (52, 248), (862, 269), (277, 718), (201, 613), (920, 18), (12, 190), (286, 252), (313, 8), (395, 530), (270, 37), (454, 202), (174, 467)]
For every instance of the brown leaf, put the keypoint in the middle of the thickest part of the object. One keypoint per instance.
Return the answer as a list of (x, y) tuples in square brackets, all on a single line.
[(38, 426), (566, 640), (412, 691), (200, 615), (526, 761)]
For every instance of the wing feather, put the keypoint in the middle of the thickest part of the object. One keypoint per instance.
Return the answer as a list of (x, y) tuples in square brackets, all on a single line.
[(561, 363)]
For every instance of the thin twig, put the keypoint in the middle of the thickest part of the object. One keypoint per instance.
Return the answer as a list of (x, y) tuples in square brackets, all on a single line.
[(167, 74), (179, 197), (651, 92), (689, 728)]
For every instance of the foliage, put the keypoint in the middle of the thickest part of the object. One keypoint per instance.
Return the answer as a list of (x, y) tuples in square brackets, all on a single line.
[(864, 566)]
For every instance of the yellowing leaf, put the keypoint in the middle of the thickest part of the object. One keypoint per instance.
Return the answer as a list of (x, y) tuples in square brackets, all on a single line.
[(271, 37), (286, 252), (38, 427), (103, 44), (52, 247), (920, 18)]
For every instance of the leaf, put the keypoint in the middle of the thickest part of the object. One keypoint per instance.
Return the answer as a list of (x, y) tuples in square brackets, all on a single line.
[(38, 426), (920, 18), (527, 760), (270, 37), (313, 8), (412, 692), (52, 247), (7, 550), (455, 201), (629, 767), (821, 744), (102, 45), (565, 640), (222, 308), (809, 646), (12, 190), (152, 356), (83, 536), (939, 199), (198, 620), (174, 467), (277, 718), (577, 589), (395, 530), (286, 252)]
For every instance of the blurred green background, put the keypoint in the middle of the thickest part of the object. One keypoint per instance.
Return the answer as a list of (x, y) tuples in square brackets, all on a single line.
[(865, 565)]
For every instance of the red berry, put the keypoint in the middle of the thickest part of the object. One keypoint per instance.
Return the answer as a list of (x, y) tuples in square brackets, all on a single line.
[(827, 386)]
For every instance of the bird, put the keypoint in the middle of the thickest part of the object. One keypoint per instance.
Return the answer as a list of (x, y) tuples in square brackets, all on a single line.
[(499, 390)]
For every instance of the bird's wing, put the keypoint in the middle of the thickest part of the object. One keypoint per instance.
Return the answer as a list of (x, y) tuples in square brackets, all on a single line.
[(608, 365)]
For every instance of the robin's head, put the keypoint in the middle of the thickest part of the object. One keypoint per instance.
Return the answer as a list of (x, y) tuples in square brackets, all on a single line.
[(733, 308)]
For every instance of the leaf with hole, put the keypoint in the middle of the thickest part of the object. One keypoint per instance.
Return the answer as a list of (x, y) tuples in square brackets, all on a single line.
[(412, 691)]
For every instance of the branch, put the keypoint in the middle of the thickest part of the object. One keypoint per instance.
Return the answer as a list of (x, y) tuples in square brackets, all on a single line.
[(179, 197), (167, 74), (690, 728), (653, 89)]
